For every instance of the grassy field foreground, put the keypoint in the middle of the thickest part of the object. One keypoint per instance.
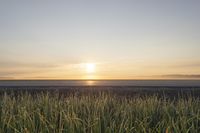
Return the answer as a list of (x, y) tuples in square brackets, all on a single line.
[(105, 113)]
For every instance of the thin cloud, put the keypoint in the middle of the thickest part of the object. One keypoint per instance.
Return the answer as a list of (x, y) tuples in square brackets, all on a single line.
[(6, 78), (33, 70), (195, 64), (26, 64), (185, 76)]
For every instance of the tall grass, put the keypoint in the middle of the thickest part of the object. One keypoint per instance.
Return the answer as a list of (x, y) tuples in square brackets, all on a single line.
[(105, 113)]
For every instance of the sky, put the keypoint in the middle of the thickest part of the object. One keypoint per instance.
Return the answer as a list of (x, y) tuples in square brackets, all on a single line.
[(119, 39)]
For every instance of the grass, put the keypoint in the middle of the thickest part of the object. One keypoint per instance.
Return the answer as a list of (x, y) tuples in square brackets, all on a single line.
[(99, 113)]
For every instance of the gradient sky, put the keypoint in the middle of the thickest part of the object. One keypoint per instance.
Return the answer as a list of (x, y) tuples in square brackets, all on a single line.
[(126, 39)]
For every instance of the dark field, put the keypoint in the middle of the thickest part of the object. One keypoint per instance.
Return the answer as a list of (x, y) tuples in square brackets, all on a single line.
[(126, 91)]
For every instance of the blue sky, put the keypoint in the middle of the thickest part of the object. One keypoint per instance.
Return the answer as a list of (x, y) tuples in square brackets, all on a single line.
[(125, 39)]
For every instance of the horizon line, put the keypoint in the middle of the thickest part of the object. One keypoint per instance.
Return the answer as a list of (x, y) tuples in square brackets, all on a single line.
[(197, 79)]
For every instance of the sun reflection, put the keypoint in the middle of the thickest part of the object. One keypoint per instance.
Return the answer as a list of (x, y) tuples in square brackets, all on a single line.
[(90, 82)]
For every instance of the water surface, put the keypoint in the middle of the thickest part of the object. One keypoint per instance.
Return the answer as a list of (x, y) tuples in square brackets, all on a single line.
[(150, 83)]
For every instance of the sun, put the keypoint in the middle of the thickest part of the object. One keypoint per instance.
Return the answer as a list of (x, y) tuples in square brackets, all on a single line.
[(90, 67)]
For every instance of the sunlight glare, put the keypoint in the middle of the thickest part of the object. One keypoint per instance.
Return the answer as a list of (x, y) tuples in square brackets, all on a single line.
[(90, 67)]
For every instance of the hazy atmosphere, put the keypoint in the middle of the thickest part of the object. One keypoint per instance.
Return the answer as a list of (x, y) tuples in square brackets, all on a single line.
[(100, 40), (99, 66)]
